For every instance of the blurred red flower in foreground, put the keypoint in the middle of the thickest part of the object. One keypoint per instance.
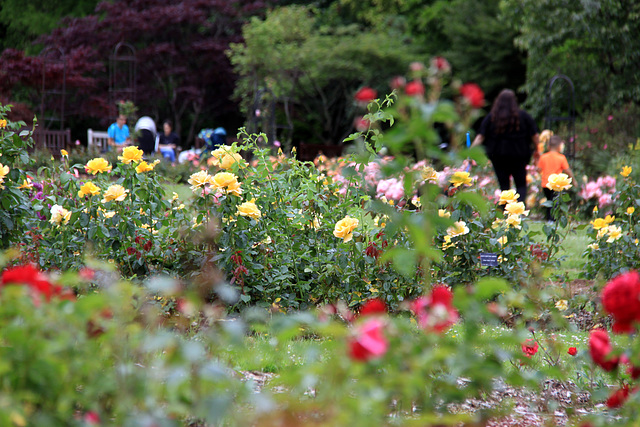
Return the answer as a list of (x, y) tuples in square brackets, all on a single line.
[(373, 306), (414, 88), (435, 311), (473, 94), (600, 349), (369, 341), (618, 397), (621, 299), (530, 347), (33, 278), (365, 94)]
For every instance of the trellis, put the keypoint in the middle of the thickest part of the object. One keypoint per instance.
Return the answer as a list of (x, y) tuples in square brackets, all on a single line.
[(553, 120), (122, 75)]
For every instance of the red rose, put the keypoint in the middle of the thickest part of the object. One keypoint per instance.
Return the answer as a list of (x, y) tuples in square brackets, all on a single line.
[(442, 295), (572, 351), (621, 299), (369, 341), (530, 347), (373, 306), (147, 246), (618, 397), (435, 312), (131, 250), (473, 94), (414, 88), (366, 94), (633, 371), (30, 276), (600, 349)]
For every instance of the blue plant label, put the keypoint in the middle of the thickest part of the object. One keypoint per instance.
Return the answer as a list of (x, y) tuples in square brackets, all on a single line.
[(488, 260)]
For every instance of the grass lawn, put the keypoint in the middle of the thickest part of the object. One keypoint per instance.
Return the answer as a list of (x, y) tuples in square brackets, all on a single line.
[(573, 246), (183, 190)]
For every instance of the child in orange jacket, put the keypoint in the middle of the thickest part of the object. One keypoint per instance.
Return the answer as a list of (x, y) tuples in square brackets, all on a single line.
[(553, 162)]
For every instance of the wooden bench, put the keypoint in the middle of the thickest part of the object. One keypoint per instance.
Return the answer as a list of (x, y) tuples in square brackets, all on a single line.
[(97, 140), (52, 140)]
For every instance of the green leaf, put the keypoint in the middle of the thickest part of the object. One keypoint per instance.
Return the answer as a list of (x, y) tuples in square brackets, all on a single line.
[(488, 287)]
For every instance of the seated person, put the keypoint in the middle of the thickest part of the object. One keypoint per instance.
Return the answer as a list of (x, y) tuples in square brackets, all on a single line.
[(146, 129), (119, 134), (168, 141)]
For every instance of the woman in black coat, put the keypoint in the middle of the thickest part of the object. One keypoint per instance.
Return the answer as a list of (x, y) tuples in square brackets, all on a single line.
[(509, 136)]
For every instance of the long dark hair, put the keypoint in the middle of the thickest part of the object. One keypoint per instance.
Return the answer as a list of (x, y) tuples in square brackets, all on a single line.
[(504, 112)]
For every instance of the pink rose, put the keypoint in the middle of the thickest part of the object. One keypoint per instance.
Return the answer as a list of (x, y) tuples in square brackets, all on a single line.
[(368, 341)]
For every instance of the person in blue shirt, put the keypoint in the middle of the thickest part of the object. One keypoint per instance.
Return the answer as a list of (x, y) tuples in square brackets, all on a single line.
[(118, 132)]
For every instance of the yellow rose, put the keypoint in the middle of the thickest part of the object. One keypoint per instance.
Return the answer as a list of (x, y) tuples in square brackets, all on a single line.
[(458, 229), (144, 167), (562, 305), (3, 124), (59, 214), (64, 153), (199, 179), (593, 246), (508, 196), (459, 178), (234, 189), (116, 192), (598, 223), (444, 213), (226, 181), (630, 210), (429, 174), (626, 171), (496, 223), (602, 232), (249, 209), (131, 154), (614, 234), (89, 189), (516, 208), (97, 165), (344, 228), (559, 182), (514, 221), (4, 170), (225, 156), (503, 240)]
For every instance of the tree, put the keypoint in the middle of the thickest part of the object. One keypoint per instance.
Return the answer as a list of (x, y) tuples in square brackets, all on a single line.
[(595, 43), (182, 70), (314, 67), (480, 46), (471, 35), (22, 22)]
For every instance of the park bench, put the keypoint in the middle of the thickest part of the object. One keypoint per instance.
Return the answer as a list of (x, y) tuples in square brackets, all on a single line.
[(97, 140), (52, 140)]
